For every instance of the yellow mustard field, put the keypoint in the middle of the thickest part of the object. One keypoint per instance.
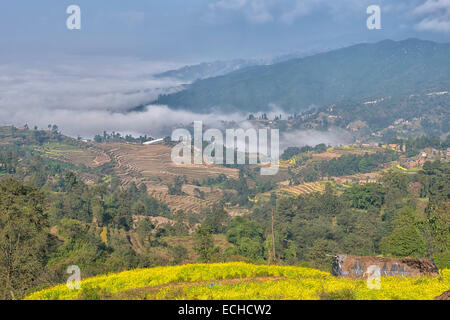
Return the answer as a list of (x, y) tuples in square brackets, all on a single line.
[(244, 281)]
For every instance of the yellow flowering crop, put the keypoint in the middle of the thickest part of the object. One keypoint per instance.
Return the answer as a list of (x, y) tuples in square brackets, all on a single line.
[(259, 282)]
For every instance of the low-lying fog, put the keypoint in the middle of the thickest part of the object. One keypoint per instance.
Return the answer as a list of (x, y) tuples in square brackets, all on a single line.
[(86, 96)]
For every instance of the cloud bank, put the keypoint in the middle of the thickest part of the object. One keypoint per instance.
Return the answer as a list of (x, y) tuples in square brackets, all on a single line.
[(86, 96), (435, 15)]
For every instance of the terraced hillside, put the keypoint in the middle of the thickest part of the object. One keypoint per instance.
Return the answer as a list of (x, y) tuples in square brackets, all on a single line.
[(88, 155), (181, 202), (334, 153), (306, 188), (153, 166)]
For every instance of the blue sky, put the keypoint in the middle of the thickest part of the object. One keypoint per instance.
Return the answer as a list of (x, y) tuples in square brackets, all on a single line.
[(203, 30)]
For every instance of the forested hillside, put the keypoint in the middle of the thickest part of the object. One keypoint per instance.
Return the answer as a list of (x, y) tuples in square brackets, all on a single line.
[(364, 71)]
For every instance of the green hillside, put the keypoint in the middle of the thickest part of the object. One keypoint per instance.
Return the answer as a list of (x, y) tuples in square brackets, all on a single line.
[(383, 69)]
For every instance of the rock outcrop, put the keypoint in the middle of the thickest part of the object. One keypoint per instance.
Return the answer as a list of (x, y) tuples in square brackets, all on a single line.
[(362, 267)]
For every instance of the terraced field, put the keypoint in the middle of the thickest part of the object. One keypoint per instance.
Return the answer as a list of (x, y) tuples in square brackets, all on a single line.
[(306, 188), (88, 155), (153, 166), (334, 153), (185, 202)]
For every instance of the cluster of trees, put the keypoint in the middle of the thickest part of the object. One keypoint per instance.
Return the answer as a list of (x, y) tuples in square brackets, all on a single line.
[(383, 218), (27, 137), (176, 188), (239, 191), (368, 196), (251, 117), (9, 159), (25, 163), (117, 137), (23, 238), (348, 164), (291, 152), (43, 231), (109, 206)]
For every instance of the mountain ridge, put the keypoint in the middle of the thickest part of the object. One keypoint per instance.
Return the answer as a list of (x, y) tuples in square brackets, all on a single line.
[(362, 71)]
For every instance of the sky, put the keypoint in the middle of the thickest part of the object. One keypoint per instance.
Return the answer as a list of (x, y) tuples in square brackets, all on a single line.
[(84, 80), (204, 30)]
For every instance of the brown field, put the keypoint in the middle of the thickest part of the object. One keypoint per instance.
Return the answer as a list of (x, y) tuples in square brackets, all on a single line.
[(153, 166)]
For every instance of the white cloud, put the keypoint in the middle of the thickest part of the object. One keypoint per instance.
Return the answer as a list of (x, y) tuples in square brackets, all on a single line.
[(256, 11), (114, 84), (433, 6), (434, 24), (300, 138), (435, 16), (287, 11), (156, 121), (85, 96)]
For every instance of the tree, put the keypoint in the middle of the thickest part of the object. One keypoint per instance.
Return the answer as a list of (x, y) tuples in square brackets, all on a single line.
[(70, 181), (319, 255), (406, 239), (205, 244), (247, 236), (123, 217), (144, 229), (366, 196), (290, 152), (176, 189), (23, 238), (438, 223), (98, 212), (217, 219), (241, 228)]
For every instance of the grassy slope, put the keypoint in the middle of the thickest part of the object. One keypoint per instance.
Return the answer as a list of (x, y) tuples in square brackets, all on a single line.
[(242, 281)]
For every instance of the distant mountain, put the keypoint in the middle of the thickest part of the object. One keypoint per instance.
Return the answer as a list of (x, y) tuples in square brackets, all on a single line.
[(219, 68), (365, 71), (208, 69)]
